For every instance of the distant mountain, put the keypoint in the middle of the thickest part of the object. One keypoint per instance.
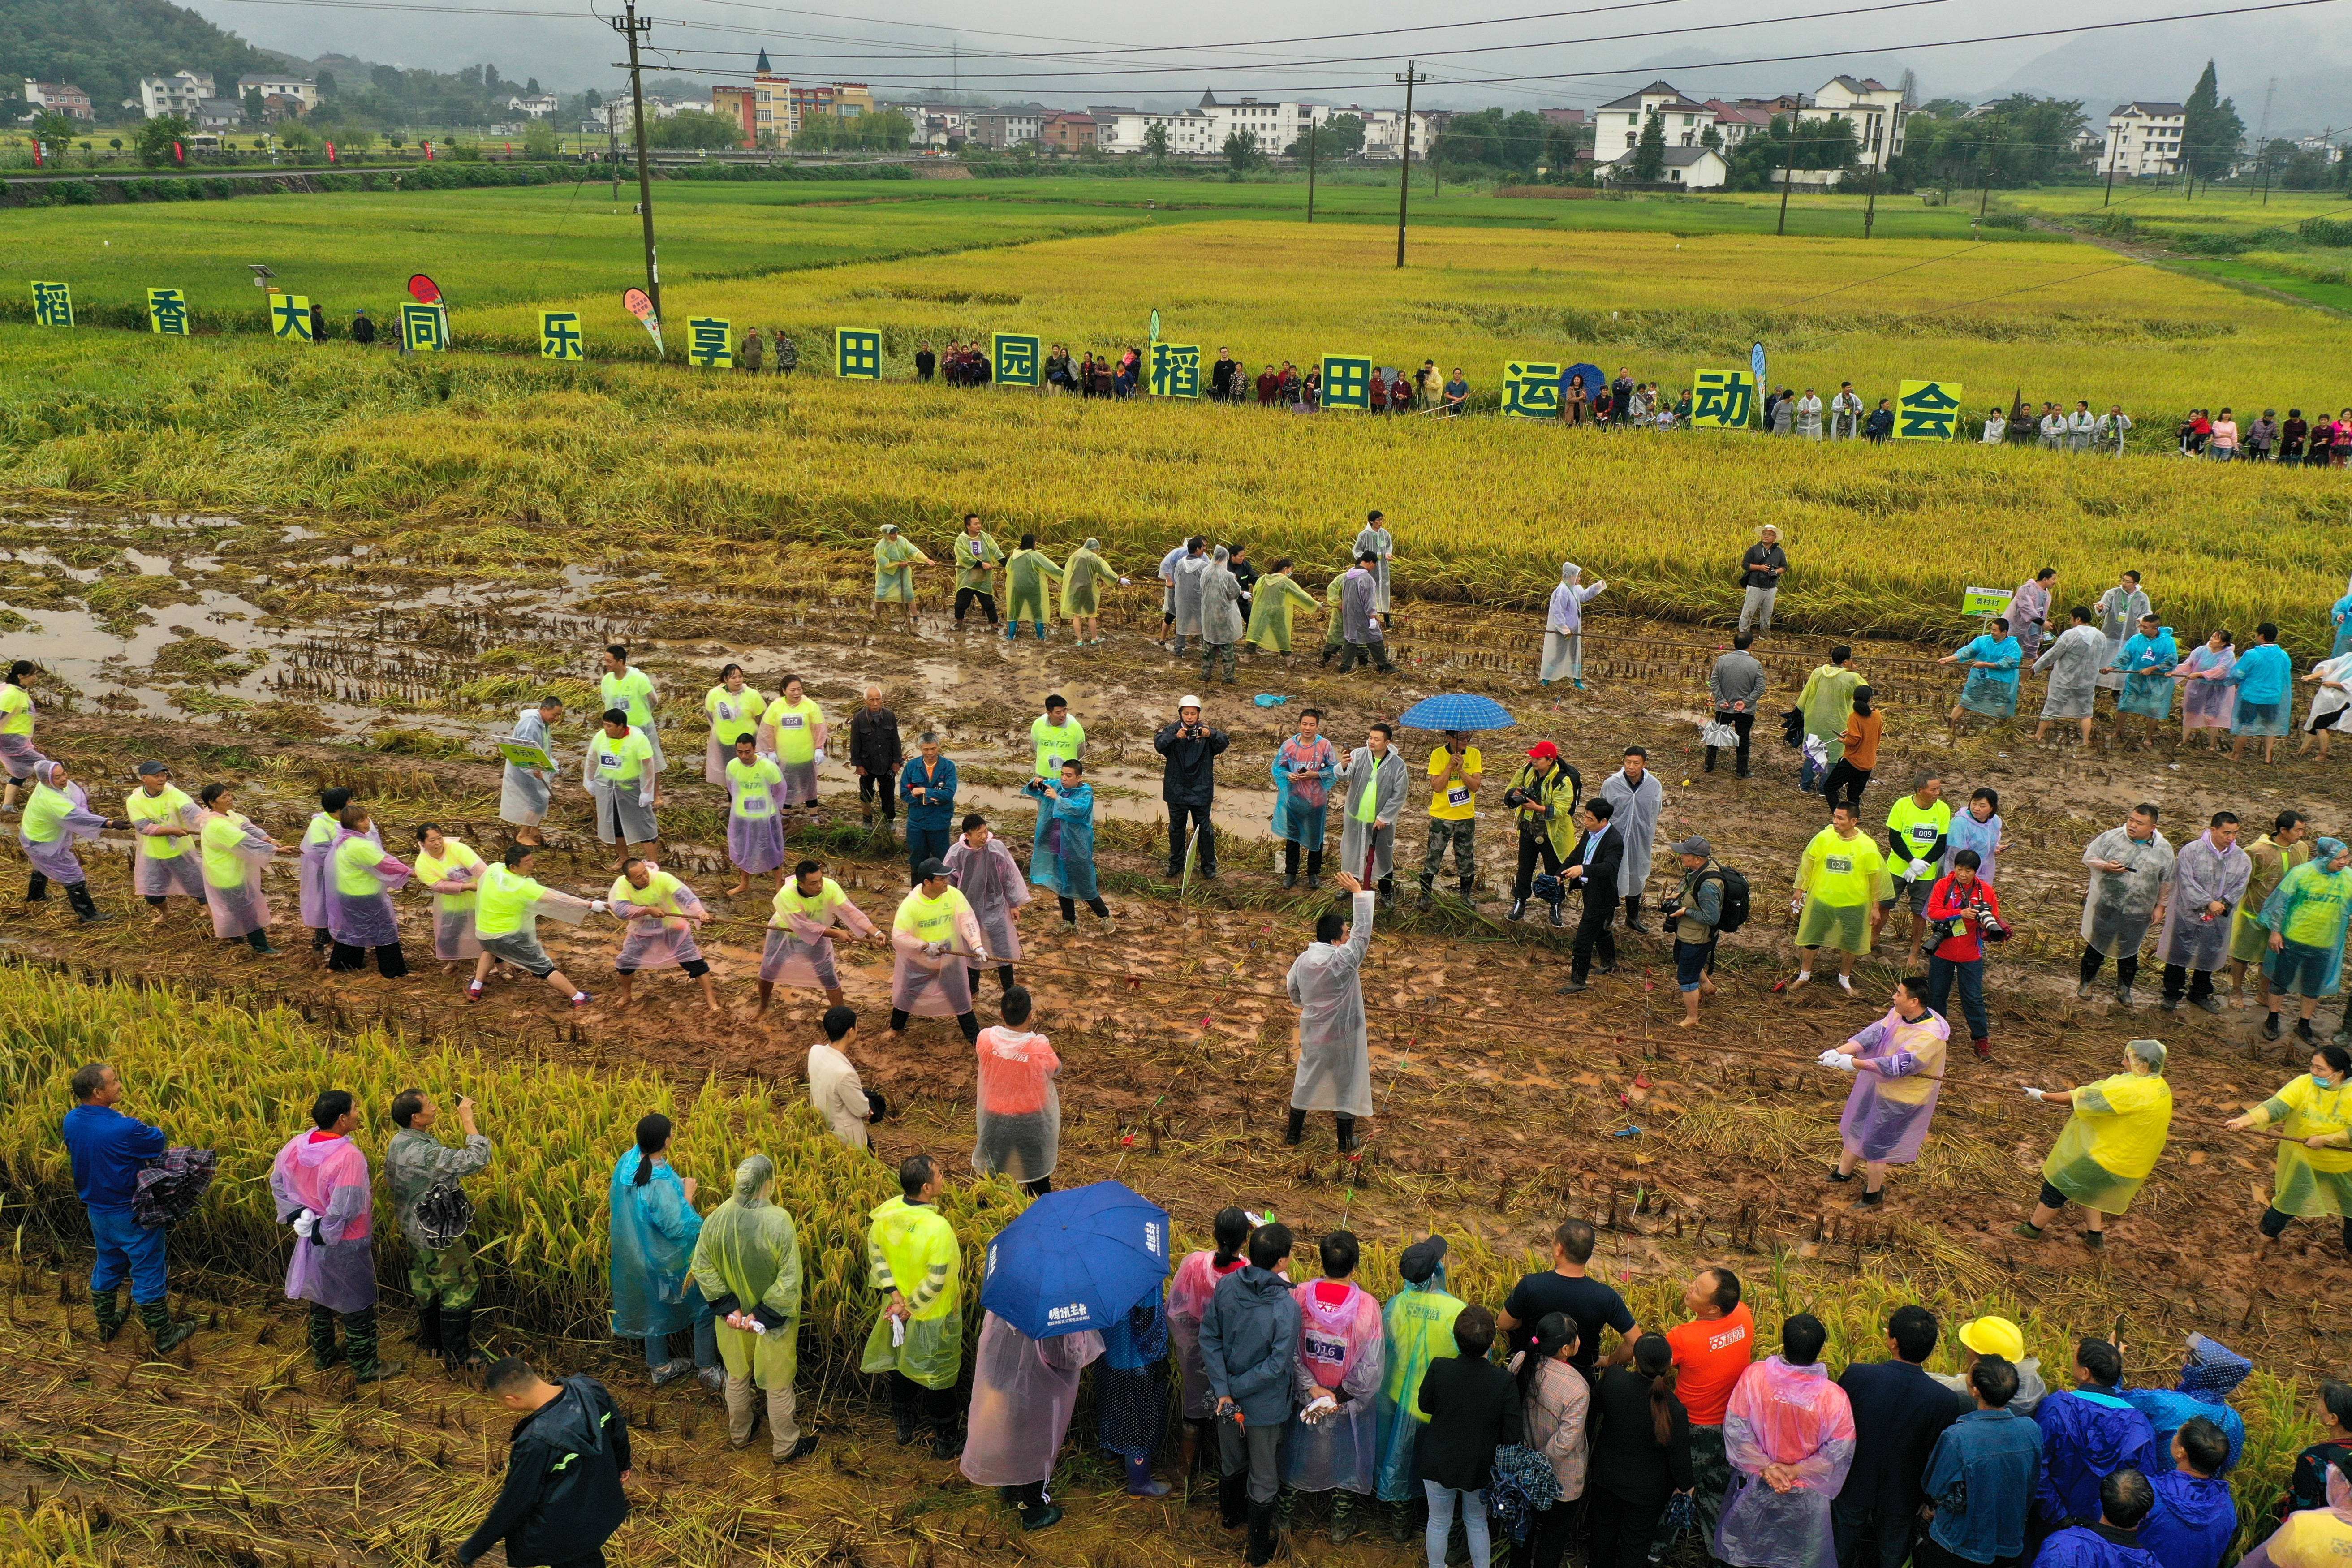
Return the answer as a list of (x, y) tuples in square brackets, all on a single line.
[(104, 46), (2311, 59)]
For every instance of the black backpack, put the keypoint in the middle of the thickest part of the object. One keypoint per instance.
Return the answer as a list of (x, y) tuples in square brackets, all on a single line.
[(1735, 899)]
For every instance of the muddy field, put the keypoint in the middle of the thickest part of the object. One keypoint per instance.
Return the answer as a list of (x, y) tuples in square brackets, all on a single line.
[(284, 660)]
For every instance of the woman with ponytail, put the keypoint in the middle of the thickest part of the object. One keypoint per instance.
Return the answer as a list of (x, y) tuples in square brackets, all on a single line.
[(1640, 1454), (654, 1228), (1187, 1298), (1557, 1404)]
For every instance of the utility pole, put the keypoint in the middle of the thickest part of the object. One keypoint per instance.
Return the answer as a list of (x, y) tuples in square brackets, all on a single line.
[(2114, 148), (1985, 199), (1787, 159), (1310, 169), (2263, 139), (1870, 207), (1404, 145), (613, 152), (628, 25)]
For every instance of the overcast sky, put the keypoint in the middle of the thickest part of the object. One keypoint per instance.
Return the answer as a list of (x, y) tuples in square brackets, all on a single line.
[(1129, 51)]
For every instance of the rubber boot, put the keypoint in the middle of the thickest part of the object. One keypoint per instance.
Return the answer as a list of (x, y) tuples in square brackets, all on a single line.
[(457, 1352), (108, 1306), (1345, 1527), (1232, 1500), (36, 888), (1346, 1134), (360, 1338), (1469, 889), (169, 1332), (78, 895), (428, 1337), (1710, 757), (1262, 1535), (324, 1352), (1297, 1129)]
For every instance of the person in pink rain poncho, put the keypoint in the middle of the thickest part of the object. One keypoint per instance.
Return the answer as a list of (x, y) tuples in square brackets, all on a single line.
[(1789, 1433), (1333, 1444), (234, 853), (808, 910), (320, 1181), (1188, 1300), (361, 880), (1023, 1393), (660, 914)]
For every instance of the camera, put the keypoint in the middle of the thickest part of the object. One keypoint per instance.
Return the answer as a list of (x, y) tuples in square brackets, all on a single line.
[(1515, 797)]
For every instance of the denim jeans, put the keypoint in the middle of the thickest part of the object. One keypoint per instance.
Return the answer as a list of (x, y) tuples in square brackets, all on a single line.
[(126, 1247), (706, 1345), (1441, 1524), (1941, 972)]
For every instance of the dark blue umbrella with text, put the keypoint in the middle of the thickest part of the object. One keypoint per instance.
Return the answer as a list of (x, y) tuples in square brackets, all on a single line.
[(1076, 1260), (1593, 380)]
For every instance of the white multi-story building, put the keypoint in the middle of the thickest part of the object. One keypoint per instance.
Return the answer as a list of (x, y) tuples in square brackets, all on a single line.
[(1273, 126), (181, 93), (301, 89), (1384, 132), (1122, 130), (538, 106), (2144, 138), (1878, 113), (1617, 124)]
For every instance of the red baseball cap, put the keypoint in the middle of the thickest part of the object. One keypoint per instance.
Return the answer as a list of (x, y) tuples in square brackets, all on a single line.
[(1543, 750)]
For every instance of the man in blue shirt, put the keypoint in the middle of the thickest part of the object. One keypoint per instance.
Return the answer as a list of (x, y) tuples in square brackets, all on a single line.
[(2087, 1435), (2194, 1518), (108, 1149), (1979, 1477)]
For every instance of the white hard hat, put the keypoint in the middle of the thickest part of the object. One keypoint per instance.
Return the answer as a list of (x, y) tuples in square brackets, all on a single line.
[(1188, 701)]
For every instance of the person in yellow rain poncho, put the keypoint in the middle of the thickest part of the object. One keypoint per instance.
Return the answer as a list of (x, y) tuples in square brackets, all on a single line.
[(793, 732), (734, 706), (2314, 1114), (165, 859), (1419, 1321), (1026, 571), (912, 1257), (977, 558), (2109, 1145), (1840, 881), (748, 1262), (1270, 609), (1334, 635), (1083, 581), (894, 560), (449, 869)]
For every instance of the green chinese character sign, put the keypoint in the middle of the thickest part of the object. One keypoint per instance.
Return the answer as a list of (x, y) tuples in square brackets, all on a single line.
[(424, 329), (1927, 410), (1175, 370), (1722, 399), (1014, 359), (289, 317), (710, 343), (857, 353), (1531, 389), (559, 335), (167, 312), (1346, 381), (52, 305)]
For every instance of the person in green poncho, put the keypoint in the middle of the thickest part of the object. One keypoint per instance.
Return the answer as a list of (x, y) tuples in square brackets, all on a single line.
[(1083, 581), (1026, 569), (912, 1256), (1270, 609), (1332, 638), (2305, 918), (894, 560), (2110, 1143), (748, 1262), (978, 557), (1827, 702), (1419, 1321)]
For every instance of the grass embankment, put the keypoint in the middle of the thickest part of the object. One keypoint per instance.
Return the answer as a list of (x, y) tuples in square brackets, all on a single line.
[(484, 464), (240, 1081)]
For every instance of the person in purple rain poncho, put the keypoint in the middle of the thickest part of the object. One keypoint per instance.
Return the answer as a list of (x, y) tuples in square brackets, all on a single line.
[(321, 1183), (167, 822), (1023, 1393), (808, 910), (1898, 1072), (991, 881), (235, 854), (56, 814), (1789, 1433), (361, 880), (660, 913), (2207, 699), (755, 825), (318, 838), (2088, 1433), (2123, 1500), (18, 755), (932, 936)]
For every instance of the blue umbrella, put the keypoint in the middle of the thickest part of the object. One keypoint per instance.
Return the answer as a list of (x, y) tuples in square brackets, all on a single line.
[(1456, 710), (1076, 1260)]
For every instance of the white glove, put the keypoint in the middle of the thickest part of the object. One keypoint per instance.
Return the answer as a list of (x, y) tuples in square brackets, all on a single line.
[(1838, 1060), (306, 1225), (599, 907), (1127, 582), (1828, 1059), (933, 949), (819, 759), (2033, 1094), (1919, 869)]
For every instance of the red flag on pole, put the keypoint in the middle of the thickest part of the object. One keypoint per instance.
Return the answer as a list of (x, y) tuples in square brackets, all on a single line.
[(330, 151), (179, 153), (428, 152), (37, 152)]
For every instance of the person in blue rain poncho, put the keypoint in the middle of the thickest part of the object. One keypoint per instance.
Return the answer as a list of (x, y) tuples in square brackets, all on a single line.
[(1062, 858), (2088, 1433), (2212, 1370), (2146, 662), (1419, 1322), (1304, 767), (654, 1229), (2195, 1519), (2110, 1537), (1992, 659), (2264, 677)]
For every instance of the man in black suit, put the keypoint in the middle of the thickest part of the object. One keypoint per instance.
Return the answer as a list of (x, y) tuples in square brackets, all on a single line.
[(1898, 1412), (1593, 865)]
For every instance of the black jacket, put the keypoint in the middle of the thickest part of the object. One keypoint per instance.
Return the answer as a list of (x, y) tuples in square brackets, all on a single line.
[(1608, 860), (1898, 1412), (1628, 1461), (1473, 1408), (874, 742), (563, 1497), (1190, 778)]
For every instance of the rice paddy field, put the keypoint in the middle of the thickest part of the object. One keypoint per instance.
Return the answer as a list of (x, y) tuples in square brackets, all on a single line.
[(287, 568)]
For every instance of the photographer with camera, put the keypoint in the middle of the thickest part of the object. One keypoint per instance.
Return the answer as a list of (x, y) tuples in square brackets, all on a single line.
[(1189, 784), (1542, 796), (1963, 914)]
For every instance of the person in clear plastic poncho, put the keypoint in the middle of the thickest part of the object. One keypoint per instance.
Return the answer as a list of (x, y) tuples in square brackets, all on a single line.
[(1326, 983), (912, 1257), (1789, 1433), (2131, 866), (2305, 918), (166, 821), (1023, 1393), (1333, 1444), (748, 1265), (235, 852), (894, 560), (449, 869), (1222, 625), (2313, 1116), (1419, 1320), (1029, 574), (2110, 1143)]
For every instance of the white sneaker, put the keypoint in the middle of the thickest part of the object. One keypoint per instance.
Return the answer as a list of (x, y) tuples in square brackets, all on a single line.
[(1845, 983)]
